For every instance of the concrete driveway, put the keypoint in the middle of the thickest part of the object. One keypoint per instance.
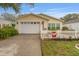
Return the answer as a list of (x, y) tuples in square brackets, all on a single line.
[(28, 45)]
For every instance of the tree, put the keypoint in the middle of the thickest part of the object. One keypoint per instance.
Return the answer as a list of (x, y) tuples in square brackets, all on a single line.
[(70, 17), (14, 6)]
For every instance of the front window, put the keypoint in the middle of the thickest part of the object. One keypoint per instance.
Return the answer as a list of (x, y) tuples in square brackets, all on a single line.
[(49, 26), (53, 26), (58, 26)]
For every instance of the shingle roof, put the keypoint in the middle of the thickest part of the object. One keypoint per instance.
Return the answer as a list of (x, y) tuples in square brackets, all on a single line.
[(49, 17), (44, 16), (31, 14)]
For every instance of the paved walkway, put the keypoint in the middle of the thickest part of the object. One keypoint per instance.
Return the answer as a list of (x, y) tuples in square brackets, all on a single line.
[(28, 45)]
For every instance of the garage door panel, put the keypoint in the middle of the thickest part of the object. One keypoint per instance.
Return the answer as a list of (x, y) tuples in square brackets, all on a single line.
[(30, 28)]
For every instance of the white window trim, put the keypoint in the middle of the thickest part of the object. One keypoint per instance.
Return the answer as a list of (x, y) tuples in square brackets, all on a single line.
[(55, 25)]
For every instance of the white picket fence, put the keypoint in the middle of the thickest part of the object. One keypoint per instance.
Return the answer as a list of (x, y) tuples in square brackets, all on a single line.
[(60, 34)]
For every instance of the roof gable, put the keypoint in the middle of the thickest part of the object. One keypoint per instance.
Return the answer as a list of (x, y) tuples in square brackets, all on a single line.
[(26, 15)]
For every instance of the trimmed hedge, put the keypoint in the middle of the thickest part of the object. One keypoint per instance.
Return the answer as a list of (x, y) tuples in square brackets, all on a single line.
[(7, 32)]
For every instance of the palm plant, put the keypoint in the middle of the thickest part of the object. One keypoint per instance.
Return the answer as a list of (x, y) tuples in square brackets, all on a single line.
[(14, 6)]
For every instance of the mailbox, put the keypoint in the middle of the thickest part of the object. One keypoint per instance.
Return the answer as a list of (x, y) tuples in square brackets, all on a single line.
[(54, 34)]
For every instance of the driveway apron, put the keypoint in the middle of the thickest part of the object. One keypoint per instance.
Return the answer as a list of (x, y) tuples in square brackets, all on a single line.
[(28, 45)]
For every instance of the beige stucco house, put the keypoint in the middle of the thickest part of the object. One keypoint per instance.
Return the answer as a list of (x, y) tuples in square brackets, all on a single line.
[(36, 23)]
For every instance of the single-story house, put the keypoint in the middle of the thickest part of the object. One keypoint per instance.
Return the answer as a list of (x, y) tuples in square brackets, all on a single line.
[(39, 23), (72, 24), (35, 23)]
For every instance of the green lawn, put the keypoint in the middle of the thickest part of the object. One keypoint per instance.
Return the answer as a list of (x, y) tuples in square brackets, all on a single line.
[(59, 48)]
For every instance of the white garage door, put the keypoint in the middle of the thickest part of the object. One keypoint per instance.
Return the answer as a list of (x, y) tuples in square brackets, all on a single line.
[(30, 27)]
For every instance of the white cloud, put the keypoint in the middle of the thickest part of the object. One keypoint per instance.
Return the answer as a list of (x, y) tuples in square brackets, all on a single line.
[(55, 9), (58, 14), (34, 8)]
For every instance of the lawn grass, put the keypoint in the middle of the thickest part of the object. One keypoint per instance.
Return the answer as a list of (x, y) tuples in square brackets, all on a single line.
[(59, 48)]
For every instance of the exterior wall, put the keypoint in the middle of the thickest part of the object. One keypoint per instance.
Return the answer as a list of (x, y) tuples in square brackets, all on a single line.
[(74, 26)]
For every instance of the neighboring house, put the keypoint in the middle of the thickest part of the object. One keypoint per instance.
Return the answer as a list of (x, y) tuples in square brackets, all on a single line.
[(72, 24), (4, 22), (35, 23)]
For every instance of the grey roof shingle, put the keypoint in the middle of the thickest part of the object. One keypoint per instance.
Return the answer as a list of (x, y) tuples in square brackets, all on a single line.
[(49, 17)]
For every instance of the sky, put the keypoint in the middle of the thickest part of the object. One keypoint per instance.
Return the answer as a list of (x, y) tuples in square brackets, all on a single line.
[(57, 10)]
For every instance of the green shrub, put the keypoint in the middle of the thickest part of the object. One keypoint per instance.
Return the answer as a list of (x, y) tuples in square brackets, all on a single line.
[(8, 32), (65, 28), (2, 34), (13, 25)]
